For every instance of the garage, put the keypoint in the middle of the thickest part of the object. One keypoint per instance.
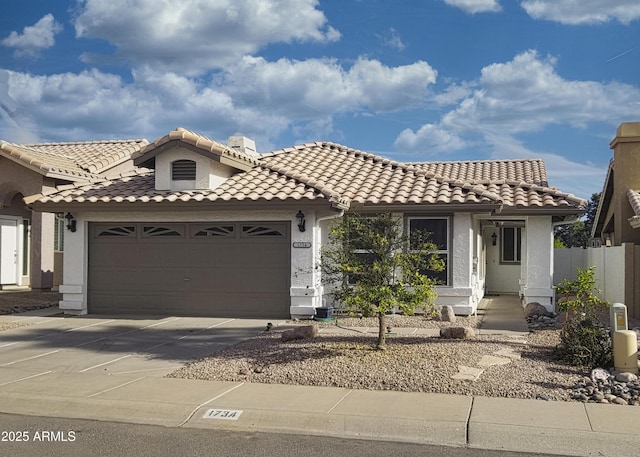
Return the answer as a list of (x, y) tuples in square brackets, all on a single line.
[(221, 269)]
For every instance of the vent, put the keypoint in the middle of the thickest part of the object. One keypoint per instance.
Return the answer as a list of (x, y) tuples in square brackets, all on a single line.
[(183, 170)]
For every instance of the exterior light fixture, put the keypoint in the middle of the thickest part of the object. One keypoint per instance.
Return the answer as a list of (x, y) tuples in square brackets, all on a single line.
[(301, 221), (71, 222), (494, 238)]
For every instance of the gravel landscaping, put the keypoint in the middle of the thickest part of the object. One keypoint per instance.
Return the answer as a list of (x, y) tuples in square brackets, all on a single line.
[(510, 367), (15, 302)]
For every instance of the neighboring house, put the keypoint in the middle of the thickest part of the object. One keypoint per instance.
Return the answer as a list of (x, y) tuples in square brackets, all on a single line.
[(617, 221), (618, 215), (203, 228), (31, 242)]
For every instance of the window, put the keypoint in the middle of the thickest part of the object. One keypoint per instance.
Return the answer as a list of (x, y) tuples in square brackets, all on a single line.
[(435, 230), (511, 246), (58, 232), (151, 231), (183, 170)]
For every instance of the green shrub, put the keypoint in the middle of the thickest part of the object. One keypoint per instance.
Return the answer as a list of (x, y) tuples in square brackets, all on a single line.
[(584, 343)]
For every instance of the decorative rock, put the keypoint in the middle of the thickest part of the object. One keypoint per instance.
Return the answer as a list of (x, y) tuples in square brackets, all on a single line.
[(599, 374), (467, 373), (626, 377), (447, 314), (620, 401), (535, 309), (490, 360), (457, 333), (301, 333)]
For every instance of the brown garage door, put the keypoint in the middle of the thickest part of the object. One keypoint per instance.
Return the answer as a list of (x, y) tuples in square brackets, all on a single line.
[(235, 269)]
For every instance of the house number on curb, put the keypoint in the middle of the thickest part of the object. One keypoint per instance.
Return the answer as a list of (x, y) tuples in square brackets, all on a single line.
[(223, 414), (302, 244)]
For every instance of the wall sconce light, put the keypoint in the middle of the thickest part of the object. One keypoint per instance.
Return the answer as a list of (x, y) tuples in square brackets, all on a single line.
[(494, 238), (71, 222), (301, 221)]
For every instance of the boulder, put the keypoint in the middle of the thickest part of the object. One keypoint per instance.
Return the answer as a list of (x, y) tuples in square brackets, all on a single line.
[(304, 332), (447, 314), (457, 333), (535, 309), (626, 377)]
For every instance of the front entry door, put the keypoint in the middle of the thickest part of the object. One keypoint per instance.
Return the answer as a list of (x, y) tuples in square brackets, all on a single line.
[(8, 251)]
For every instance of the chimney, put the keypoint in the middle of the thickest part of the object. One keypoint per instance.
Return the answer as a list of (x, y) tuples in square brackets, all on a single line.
[(243, 144)]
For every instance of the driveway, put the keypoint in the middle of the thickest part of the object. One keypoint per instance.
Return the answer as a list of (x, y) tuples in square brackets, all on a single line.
[(127, 347)]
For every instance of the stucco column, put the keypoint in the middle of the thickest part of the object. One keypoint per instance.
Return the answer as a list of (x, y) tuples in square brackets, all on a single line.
[(459, 293), (42, 261), (538, 285), (74, 289), (304, 261)]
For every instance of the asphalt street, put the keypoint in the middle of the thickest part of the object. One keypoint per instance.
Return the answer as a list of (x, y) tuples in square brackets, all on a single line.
[(54, 437)]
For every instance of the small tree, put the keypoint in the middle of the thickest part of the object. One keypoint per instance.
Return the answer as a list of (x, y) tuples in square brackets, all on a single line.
[(583, 339), (374, 267)]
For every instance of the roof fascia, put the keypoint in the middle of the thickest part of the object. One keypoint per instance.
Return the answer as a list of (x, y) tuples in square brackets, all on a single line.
[(605, 200), (179, 143), (174, 207)]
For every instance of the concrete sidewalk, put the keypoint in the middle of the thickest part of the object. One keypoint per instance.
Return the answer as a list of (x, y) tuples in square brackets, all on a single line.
[(547, 427), (489, 423)]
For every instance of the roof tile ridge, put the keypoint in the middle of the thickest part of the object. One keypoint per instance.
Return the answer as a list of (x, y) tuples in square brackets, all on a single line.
[(550, 190), (87, 142), (326, 190), (483, 192)]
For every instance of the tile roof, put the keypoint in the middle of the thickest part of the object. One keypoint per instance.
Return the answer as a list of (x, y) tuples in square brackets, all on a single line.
[(530, 171), (200, 142), (634, 200), (342, 176), (76, 161)]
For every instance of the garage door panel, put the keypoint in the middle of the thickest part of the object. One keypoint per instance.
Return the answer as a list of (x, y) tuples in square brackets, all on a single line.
[(216, 269), (125, 278)]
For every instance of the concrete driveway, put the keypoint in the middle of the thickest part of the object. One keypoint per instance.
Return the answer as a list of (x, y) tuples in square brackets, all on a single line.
[(113, 345)]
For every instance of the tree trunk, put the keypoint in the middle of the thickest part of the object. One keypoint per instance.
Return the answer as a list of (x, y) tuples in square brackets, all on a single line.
[(382, 335)]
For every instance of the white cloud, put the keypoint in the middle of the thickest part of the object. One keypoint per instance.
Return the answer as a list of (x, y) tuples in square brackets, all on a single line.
[(316, 88), (34, 38), (193, 36), (16, 124), (257, 98), (476, 6), (392, 40), (429, 138), (526, 95), (583, 11)]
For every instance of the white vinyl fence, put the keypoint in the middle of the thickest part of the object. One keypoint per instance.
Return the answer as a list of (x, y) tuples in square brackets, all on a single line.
[(617, 271)]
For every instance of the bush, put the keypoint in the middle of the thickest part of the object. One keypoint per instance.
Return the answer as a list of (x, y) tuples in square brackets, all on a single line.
[(585, 343)]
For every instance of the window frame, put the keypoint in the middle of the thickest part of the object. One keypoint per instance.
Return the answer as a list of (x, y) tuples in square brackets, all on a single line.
[(60, 224), (445, 253), (516, 248)]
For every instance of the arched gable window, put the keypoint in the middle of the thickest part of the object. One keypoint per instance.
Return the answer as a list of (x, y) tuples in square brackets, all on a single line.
[(183, 170)]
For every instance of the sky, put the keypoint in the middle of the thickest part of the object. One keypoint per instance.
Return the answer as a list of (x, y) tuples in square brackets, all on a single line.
[(412, 80)]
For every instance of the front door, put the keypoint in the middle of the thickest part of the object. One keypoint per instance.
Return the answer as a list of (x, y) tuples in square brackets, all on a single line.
[(8, 251)]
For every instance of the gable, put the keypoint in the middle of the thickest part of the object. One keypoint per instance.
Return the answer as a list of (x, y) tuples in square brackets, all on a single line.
[(178, 168)]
